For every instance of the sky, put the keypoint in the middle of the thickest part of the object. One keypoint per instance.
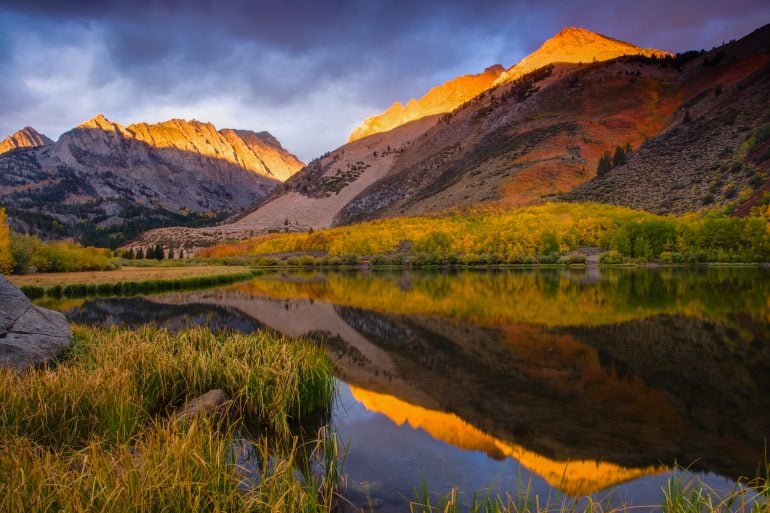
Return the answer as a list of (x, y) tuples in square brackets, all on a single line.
[(306, 71)]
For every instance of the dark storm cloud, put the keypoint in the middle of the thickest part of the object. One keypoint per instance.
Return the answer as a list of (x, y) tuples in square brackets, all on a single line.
[(306, 70)]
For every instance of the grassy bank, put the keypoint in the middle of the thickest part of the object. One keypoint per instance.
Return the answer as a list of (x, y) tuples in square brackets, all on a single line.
[(127, 281), (543, 234), (95, 433), (679, 495)]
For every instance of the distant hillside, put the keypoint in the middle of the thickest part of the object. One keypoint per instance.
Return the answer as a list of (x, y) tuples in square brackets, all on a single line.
[(103, 183)]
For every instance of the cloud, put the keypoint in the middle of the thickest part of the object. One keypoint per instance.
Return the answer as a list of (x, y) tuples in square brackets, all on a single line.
[(307, 71)]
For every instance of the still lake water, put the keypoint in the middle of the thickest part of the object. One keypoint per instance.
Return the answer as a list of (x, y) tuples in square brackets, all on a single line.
[(573, 382)]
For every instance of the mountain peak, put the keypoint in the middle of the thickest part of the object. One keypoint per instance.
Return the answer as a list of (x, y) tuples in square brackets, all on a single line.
[(27, 137), (98, 121), (575, 45)]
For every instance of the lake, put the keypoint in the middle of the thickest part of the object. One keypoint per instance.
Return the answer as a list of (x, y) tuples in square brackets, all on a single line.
[(571, 382)]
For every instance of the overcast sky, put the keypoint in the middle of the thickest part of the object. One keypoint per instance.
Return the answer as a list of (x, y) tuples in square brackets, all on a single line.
[(306, 71)]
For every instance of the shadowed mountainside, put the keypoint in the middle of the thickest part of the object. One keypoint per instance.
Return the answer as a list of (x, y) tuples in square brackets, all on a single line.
[(103, 182)]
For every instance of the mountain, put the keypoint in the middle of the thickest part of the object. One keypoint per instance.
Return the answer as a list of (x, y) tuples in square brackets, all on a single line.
[(443, 98), (27, 137), (102, 182), (712, 150), (688, 120), (575, 45), (572, 45)]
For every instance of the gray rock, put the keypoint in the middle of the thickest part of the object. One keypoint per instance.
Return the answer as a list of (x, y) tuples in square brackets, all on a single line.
[(212, 403), (30, 336)]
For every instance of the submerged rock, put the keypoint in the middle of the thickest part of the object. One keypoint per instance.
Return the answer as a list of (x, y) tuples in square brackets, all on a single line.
[(212, 403), (30, 336)]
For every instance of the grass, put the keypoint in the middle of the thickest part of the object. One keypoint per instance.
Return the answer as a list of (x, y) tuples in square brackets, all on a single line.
[(679, 495), (171, 468), (94, 433), (127, 281), (113, 381), (124, 274)]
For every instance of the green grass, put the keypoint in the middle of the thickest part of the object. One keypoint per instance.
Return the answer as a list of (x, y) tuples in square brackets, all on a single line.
[(679, 495), (131, 287), (94, 433)]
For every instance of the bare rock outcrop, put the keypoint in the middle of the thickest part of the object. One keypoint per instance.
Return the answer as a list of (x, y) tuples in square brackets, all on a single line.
[(30, 336)]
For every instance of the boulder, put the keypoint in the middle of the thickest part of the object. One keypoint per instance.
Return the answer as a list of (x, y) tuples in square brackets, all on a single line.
[(30, 336), (211, 404)]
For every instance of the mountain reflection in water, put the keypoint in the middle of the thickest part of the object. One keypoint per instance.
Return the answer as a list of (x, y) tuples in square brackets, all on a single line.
[(587, 378)]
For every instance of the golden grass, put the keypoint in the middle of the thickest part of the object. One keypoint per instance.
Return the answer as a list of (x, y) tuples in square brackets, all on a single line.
[(125, 274), (95, 434)]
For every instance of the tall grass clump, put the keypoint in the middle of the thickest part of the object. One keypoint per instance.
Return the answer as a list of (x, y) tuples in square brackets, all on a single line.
[(172, 467), (113, 381), (96, 432)]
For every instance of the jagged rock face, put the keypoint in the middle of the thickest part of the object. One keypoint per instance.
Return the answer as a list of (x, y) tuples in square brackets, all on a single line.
[(443, 98), (30, 336), (123, 180), (575, 45), (571, 45), (27, 137)]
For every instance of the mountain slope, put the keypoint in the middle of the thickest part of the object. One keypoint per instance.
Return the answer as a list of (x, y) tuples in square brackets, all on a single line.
[(570, 45), (542, 134), (536, 138), (103, 182), (27, 137), (701, 158), (443, 98)]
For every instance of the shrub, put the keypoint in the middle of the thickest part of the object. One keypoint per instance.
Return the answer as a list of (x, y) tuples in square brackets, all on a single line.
[(745, 194), (425, 260), (548, 258), (31, 254), (6, 256), (350, 259), (611, 257), (268, 261), (433, 242), (574, 259), (306, 260), (380, 260)]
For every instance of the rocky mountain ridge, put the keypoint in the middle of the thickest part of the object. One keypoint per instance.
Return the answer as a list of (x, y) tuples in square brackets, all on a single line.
[(27, 137), (103, 182)]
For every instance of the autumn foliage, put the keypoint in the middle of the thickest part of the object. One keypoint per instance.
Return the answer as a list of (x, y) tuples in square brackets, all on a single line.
[(523, 234)]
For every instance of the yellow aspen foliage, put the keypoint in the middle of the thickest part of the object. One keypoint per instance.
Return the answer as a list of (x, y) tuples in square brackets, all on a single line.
[(6, 258)]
